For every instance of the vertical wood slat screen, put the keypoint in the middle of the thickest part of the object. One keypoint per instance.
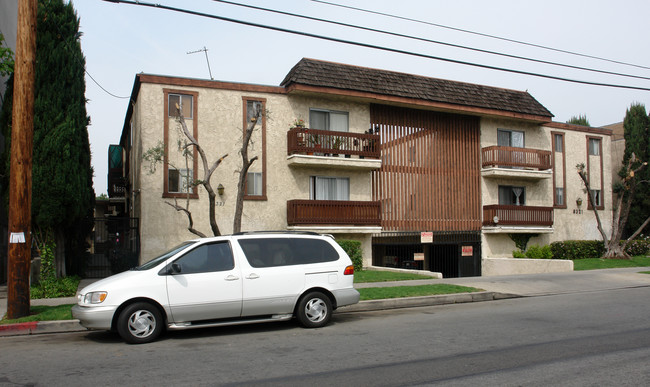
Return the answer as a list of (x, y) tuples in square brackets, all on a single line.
[(430, 178)]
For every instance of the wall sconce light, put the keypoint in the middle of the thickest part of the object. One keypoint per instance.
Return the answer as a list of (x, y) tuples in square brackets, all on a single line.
[(579, 202), (495, 219), (220, 189)]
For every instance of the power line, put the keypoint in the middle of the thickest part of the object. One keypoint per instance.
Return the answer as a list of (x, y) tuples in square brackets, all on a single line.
[(431, 41), (372, 46), (482, 34)]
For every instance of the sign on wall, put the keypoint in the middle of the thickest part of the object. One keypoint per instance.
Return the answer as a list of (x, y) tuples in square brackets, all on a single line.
[(426, 237), (468, 251)]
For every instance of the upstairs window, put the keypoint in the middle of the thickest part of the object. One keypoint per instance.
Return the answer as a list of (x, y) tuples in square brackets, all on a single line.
[(559, 143), (512, 138), (254, 184), (329, 188), (184, 101), (559, 196), (513, 196), (328, 120), (597, 197), (180, 180), (594, 147)]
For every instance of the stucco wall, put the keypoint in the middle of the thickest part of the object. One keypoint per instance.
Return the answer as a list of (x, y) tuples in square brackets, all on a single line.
[(220, 120)]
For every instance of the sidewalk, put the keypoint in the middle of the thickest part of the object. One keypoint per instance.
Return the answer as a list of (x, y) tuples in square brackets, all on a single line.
[(492, 288)]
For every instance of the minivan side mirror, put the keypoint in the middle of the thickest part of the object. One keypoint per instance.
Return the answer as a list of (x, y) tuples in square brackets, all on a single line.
[(175, 268)]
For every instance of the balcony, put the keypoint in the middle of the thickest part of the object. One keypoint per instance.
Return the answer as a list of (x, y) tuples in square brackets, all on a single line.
[(312, 147), (510, 218), (333, 213), (517, 163)]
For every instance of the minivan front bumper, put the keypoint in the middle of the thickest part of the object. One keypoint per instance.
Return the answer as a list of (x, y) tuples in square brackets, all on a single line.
[(94, 317)]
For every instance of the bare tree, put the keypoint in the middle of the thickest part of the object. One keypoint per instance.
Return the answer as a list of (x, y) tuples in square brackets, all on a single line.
[(614, 249), (246, 164), (156, 154)]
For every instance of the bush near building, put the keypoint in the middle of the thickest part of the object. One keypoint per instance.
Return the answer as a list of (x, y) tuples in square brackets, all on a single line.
[(353, 249)]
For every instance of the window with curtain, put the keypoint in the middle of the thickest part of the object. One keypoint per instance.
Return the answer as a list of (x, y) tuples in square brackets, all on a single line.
[(254, 183), (597, 197), (329, 188), (559, 143), (559, 196), (328, 120), (510, 138), (510, 195), (594, 147)]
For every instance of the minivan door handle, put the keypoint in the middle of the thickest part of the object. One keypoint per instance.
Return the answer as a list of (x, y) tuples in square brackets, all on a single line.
[(232, 278), (252, 276)]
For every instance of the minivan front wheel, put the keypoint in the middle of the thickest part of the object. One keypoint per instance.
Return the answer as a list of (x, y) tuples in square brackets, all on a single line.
[(140, 323), (314, 310)]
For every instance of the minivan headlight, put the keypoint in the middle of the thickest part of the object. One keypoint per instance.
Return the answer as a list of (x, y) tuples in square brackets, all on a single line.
[(93, 297)]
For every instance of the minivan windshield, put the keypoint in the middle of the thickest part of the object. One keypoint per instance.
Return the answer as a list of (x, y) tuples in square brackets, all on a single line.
[(154, 262)]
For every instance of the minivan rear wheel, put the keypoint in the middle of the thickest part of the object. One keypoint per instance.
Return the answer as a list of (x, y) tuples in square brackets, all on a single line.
[(314, 310), (140, 323)]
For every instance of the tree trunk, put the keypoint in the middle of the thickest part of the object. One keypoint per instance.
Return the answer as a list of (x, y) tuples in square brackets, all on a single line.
[(59, 253)]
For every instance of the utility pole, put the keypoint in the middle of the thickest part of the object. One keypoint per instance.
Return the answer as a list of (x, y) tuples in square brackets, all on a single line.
[(20, 179)]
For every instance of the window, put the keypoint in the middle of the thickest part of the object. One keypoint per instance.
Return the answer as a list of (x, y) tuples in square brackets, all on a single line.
[(254, 183), (329, 188), (179, 180), (270, 252), (559, 196), (559, 143), (182, 100), (597, 197), (254, 113), (328, 120), (509, 195), (207, 258), (594, 147), (510, 138)]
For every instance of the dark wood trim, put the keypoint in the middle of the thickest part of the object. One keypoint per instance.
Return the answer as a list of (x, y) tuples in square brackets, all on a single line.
[(195, 131), (207, 84), (404, 101), (553, 158), (602, 182), (245, 100), (579, 128)]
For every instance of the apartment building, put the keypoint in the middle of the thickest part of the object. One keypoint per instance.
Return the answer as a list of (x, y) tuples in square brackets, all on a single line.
[(428, 174)]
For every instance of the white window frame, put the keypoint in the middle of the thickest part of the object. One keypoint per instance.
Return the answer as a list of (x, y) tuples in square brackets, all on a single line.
[(183, 99), (328, 119), (254, 184), (184, 180)]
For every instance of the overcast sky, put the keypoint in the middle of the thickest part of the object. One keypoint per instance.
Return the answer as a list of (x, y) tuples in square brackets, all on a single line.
[(121, 40)]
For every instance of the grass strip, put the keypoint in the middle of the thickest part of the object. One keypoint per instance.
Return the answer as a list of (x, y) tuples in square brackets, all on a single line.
[(384, 276), (44, 313), (413, 291), (599, 263)]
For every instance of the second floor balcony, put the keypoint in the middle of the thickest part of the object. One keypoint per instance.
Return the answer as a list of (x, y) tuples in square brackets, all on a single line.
[(513, 162), (333, 212), (498, 215), (312, 147)]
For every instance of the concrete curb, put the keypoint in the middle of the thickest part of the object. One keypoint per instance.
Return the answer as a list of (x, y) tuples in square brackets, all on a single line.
[(62, 326), (40, 327)]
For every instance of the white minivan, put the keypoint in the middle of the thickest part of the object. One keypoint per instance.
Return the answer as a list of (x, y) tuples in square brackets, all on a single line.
[(235, 279)]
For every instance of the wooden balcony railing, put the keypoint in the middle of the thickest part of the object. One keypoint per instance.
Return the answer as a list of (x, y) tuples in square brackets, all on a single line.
[(517, 215), (507, 156), (326, 142), (333, 212)]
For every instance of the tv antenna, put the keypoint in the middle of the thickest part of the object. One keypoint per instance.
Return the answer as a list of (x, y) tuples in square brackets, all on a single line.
[(205, 50)]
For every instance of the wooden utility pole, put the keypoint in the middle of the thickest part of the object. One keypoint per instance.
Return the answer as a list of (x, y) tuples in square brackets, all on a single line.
[(20, 179)]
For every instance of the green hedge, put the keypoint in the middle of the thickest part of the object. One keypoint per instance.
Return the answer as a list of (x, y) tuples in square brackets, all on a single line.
[(638, 247), (577, 249), (353, 249), (534, 252)]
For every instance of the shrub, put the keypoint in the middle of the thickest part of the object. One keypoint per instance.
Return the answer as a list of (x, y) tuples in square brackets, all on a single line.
[(353, 249), (638, 247), (539, 252), (55, 287), (518, 254), (577, 249)]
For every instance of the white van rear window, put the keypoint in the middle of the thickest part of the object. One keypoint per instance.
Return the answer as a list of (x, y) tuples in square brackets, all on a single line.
[(270, 252)]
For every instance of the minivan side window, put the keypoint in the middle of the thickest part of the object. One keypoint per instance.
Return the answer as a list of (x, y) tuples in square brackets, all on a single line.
[(270, 252), (207, 258)]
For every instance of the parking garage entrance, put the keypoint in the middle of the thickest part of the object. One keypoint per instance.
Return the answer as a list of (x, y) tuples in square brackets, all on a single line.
[(454, 254)]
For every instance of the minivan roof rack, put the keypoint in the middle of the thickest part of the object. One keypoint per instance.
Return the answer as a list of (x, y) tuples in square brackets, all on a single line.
[(277, 232)]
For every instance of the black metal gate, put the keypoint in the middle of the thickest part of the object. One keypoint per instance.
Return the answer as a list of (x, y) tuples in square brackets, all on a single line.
[(454, 254), (115, 248)]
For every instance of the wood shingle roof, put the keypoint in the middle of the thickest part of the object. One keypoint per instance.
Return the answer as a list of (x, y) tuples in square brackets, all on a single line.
[(318, 73)]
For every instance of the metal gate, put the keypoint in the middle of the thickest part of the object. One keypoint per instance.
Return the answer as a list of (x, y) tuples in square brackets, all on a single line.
[(115, 247), (454, 254)]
